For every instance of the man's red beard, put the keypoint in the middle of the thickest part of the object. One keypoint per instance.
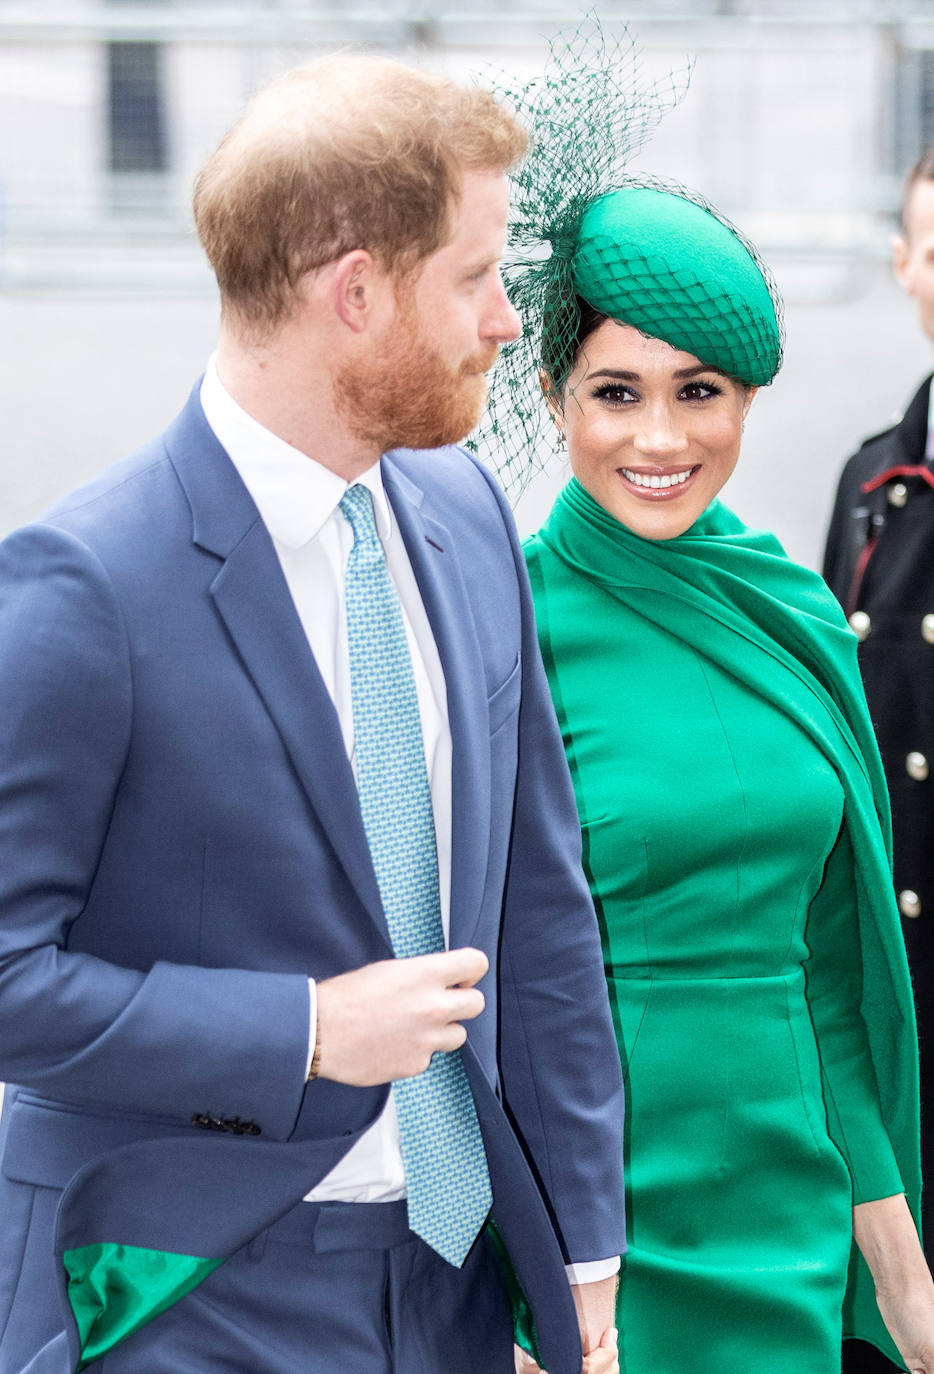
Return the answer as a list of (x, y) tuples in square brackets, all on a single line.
[(409, 397)]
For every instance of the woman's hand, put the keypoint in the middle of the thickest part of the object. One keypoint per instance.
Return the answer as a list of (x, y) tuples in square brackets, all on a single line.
[(605, 1358), (595, 1305), (602, 1360), (885, 1232), (909, 1318)]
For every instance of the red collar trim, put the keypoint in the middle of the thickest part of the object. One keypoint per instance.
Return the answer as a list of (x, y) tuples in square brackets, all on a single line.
[(902, 470)]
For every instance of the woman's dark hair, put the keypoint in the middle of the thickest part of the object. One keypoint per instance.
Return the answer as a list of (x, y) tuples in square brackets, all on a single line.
[(568, 324), (567, 327)]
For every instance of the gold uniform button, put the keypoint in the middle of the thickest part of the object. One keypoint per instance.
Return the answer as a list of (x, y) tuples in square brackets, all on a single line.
[(860, 624), (897, 494), (927, 629), (909, 903), (916, 766)]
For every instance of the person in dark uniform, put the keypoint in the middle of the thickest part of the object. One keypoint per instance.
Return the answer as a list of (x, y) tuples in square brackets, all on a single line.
[(879, 562)]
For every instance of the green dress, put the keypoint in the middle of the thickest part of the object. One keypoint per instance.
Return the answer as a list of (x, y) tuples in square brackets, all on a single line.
[(726, 778)]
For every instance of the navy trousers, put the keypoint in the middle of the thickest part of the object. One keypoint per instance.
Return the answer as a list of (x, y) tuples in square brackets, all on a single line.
[(330, 1287)]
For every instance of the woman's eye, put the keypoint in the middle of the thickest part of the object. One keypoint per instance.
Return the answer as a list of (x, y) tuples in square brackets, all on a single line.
[(614, 395), (700, 391)]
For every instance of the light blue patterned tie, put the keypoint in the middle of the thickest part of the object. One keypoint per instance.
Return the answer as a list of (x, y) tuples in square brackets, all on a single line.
[(446, 1174)]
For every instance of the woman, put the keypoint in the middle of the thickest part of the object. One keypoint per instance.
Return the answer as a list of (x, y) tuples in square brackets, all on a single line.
[(735, 827)]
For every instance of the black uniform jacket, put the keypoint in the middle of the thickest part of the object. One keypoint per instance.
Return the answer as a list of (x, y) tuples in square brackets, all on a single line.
[(879, 562)]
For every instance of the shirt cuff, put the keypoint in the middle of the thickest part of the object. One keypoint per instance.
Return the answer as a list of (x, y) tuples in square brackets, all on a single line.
[(312, 1024), (592, 1271)]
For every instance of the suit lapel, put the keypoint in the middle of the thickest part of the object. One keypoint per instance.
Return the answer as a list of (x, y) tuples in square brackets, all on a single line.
[(430, 548), (253, 600)]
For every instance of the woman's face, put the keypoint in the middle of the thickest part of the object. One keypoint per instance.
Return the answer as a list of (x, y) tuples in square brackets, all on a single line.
[(652, 433)]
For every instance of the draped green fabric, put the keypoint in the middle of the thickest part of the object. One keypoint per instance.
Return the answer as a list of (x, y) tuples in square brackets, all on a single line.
[(735, 601), (115, 1289)]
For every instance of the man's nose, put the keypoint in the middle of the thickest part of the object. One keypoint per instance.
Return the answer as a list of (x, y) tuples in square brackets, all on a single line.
[(501, 322)]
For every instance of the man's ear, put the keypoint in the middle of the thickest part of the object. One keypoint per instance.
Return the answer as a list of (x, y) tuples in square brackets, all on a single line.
[(356, 282), (901, 262)]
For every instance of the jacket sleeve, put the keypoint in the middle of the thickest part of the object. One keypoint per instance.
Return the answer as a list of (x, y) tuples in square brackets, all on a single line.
[(562, 1080), (834, 974), (170, 1041)]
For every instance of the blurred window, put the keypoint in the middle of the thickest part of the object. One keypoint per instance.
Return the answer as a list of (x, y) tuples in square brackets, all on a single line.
[(137, 107), (926, 97), (914, 104)]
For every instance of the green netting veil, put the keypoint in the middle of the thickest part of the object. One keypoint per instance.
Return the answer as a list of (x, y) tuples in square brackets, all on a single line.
[(584, 232)]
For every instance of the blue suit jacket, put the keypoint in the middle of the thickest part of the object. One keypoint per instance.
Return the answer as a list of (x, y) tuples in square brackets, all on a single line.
[(181, 845)]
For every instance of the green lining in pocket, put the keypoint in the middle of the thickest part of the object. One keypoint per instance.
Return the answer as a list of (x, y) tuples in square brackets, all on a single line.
[(116, 1289)]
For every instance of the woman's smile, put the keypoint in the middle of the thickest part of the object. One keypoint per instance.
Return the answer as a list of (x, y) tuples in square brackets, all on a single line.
[(659, 484)]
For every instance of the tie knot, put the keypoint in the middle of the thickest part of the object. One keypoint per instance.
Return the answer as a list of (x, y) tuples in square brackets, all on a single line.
[(357, 506)]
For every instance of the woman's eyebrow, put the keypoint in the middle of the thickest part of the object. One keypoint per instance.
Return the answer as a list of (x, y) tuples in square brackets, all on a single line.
[(620, 375), (693, 371), (617, 374)]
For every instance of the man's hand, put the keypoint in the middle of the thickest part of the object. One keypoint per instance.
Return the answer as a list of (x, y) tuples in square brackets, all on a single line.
[(596, 1314), (603, 1360), (596, 1307), (385, 1021)]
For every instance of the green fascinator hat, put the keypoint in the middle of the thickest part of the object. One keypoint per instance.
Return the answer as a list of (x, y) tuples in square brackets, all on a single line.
[(672, 269), (585, 231)]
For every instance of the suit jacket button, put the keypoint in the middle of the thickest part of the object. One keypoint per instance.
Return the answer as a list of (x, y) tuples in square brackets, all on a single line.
[(916, 766), (896, 494), (860, 624), (927, 629), (909, 903)]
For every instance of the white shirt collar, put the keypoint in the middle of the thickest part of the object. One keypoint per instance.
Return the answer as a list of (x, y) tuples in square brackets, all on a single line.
[(294, 494)]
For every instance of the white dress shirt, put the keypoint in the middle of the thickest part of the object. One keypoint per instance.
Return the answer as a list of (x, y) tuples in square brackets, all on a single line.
[(298, 500)]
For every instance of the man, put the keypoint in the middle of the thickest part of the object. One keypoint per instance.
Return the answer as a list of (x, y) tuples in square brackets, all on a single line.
[(878, 562), (273, 712)]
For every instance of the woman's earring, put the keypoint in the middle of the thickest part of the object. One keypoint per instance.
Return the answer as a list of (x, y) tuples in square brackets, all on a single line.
[(562, 442)]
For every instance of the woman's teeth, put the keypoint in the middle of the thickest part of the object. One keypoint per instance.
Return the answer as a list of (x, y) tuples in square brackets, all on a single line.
[(644, 479)]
